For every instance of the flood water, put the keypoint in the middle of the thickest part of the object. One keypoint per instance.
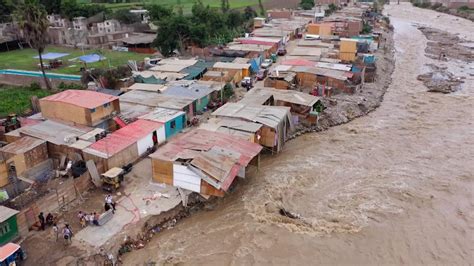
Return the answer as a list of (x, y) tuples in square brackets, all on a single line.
[(394, 187)]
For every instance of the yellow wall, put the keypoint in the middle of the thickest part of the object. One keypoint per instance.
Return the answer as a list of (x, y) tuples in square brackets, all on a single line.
[(3, 174), (348, 46), (348, 57), (101, 112), (63, 111)]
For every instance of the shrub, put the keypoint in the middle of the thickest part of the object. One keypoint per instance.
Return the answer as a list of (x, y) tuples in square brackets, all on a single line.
[(69, 86)]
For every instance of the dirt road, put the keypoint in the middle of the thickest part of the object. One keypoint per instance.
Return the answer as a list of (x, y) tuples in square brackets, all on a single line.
[(394, 187)]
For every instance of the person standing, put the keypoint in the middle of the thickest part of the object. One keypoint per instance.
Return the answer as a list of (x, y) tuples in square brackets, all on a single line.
[(42, 220), (56, 231), (67, 233), (110, 201)]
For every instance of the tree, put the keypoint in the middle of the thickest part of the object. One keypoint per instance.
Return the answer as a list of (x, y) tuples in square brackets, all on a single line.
[(32, 20), (6, 8), (307, 4), (126, 17), (249, 13), (52, 6), (262, 9), (173, 34), (159, 12)]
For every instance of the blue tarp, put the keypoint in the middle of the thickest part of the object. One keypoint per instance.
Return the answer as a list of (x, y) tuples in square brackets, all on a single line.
[(91, 58), (52, 56), (255, 64)]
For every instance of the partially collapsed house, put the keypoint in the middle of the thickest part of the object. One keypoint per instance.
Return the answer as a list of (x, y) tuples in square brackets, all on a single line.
[(125, 145), (304, 107), (276, 121), (203, 161)]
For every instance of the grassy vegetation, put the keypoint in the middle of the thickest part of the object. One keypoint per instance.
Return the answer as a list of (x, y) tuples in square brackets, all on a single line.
[(187, 4), (17, 99), (24, 59)]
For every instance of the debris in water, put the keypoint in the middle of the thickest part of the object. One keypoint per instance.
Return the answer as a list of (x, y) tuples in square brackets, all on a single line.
[(440, 80), (289, 214)]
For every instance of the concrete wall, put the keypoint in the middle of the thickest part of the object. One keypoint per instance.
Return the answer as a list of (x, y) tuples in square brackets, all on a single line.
[(17, 80)]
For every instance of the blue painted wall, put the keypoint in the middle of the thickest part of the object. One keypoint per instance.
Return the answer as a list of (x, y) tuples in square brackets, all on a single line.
[(180, 124)]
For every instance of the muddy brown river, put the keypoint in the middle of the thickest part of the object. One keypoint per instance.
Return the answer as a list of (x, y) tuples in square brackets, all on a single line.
[(393, 187)]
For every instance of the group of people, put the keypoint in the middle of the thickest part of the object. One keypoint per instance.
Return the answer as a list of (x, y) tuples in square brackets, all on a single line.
[(66, 232), (85, 219), (49, 220)]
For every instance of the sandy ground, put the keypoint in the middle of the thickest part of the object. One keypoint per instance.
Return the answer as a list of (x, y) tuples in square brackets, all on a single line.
[(393, 187)]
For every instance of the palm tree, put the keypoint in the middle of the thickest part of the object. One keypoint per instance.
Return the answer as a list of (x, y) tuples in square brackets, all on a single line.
[(32, 20)]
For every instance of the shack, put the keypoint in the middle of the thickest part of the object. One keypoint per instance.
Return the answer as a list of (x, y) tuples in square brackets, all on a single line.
[(246, 130), (125, 145), (25, 153), (335, 81), (224, 66), (153, 99), (276, 121), (83, 107), (8, 225), (199, 93), (203, 161), (173, 120), (304, 107)]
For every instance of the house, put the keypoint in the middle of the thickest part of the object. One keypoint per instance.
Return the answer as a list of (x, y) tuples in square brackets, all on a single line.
[(8, 225), (79, 23), (125, 145), (173, 120), (139, 42), (276, 121), (83, 107), (203, 161), (200, 94), (154, 99), (60, 137), (334, 81), (249, 131), (24, 154), (225, 66), (303, 106)]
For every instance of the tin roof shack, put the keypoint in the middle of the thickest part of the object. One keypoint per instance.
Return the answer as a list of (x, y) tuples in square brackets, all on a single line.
[(125, 145), (254, 50), (281, 80), (348, 50), (322, 29), (203, 161), (275, 42), (334, 81), (174, 121), (276, 121), (8, 225), (60, 137), (153, 99), (228, 76), (83, 107), (25, 153), (249, 131), (304, 107), (224, 66), (200, 94)]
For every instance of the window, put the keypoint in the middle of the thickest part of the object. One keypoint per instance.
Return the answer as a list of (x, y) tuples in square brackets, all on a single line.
[(93, 110), (173, 124), (106, 105), (4, 229)]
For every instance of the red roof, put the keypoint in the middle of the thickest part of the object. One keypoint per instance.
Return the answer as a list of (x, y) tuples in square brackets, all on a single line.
[(298, 62), (126, 136), (189, 145), (7, 250), (83, 98)]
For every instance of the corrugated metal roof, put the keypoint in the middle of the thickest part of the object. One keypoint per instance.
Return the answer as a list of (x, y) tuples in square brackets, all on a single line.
[(148, 87), (226, 65), (83, 98), (298, 62), (154, 99), (270, 116), (123, 138), (162, 115), (193, 91), (235, 127), (55, 132), (307, 51), (6, 213), (22, 145), (259, 40), (168, 68), (177, 61), (133, 111), (260, 95), (336, 74), (343, 67)]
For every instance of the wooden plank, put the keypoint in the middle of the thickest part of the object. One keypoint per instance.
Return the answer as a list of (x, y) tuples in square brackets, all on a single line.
[(94, 173)]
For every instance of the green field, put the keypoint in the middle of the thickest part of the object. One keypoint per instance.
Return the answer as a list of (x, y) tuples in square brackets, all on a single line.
[(17, 99), (23, 59), (187, 4)]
